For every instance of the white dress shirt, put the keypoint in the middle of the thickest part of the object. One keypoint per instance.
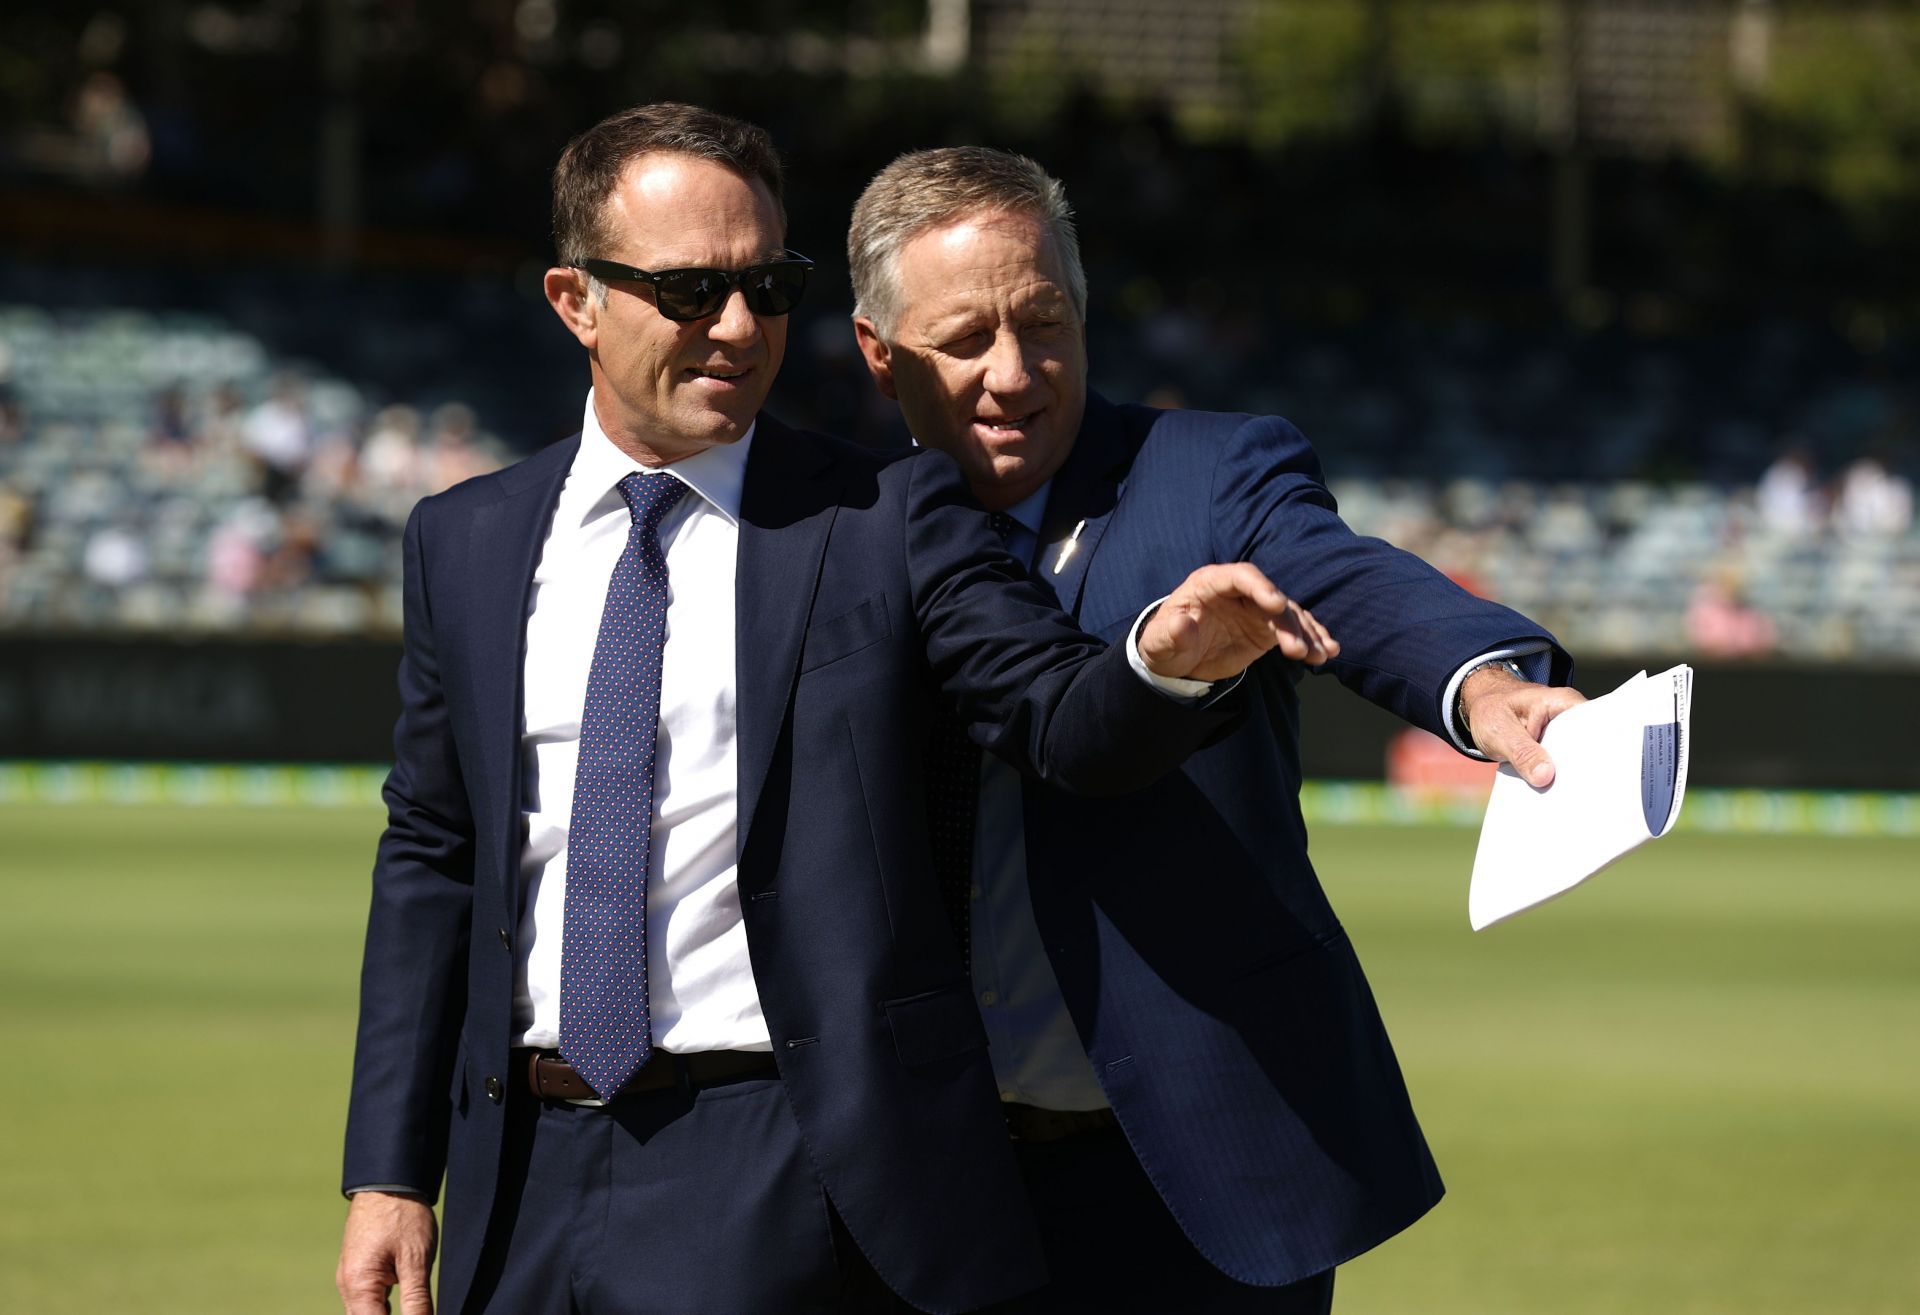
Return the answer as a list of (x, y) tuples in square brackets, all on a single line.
[(699, 979)]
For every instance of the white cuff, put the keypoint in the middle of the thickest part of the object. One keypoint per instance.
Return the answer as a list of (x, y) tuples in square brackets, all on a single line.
[(1535, 663), (1176, 688)]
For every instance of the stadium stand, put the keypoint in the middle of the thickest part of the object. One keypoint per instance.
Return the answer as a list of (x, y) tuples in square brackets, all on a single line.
[(166, 472), (168, 475)]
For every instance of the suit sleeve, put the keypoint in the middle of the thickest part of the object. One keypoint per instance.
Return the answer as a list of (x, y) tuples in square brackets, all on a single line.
[(1032, 687), (412, 982), (1404, 628)]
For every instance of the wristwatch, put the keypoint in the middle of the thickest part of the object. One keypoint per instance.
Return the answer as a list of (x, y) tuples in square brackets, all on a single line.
[(1460, 690)]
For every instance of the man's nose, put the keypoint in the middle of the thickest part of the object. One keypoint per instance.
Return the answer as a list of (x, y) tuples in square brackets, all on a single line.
[(735, 323), (1007, 367)]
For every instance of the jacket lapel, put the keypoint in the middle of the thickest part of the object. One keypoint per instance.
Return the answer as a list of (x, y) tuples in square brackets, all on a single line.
[(1087, 489), (503, 546), (787, 507)]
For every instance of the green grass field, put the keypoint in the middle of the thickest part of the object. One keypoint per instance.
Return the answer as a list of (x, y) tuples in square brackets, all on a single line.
[(1692, 1086)]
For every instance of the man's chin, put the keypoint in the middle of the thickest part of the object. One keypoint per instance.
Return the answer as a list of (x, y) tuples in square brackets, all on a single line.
[(1003, 479), (728, 426)]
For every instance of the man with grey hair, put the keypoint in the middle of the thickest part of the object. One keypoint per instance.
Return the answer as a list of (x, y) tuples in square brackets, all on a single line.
[(1206, 1109)]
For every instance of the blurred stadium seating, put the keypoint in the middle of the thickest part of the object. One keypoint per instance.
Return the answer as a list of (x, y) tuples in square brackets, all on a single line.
[(1608, 309), (167, 472)]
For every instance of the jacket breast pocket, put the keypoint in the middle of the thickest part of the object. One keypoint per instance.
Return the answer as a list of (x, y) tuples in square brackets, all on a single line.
[(935, 1025), (844, 634)]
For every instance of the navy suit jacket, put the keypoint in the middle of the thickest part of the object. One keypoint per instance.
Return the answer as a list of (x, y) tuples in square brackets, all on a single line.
[(867, 589), (1217, 994)]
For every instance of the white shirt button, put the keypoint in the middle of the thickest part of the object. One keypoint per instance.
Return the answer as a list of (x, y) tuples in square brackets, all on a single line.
[(989, 997)]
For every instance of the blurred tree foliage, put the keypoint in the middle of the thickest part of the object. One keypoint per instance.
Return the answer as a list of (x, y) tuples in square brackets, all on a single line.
[(1839, 107), (1834, 104), (1439, 72), (1303, 71)]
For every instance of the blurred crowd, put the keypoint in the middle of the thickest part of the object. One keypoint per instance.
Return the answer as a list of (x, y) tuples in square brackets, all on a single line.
[(1688, 569), (167, 473), (162, 474)]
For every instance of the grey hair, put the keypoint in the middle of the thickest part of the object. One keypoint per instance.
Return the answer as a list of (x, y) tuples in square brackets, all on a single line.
[(925, 189)]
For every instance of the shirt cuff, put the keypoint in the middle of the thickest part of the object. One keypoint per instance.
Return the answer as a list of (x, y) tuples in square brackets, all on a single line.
[(1535, 661), (1177, 688), (398, 1189)]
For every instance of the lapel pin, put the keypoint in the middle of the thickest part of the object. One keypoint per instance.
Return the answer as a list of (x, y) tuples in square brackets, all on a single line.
[(1066, 549)]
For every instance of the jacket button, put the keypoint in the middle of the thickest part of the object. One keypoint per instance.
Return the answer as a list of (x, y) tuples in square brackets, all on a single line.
[(494, 1090), (506, 941)]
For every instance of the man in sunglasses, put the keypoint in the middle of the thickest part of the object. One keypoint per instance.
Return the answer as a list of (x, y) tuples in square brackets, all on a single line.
[(656, 970), (1206, 1108)]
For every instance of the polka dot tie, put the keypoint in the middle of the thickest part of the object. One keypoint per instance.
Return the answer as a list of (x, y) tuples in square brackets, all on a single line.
[(953, 803), (605, 1032)]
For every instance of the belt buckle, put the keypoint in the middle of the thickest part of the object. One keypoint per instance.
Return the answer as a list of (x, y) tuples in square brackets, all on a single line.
[(585, 1102)]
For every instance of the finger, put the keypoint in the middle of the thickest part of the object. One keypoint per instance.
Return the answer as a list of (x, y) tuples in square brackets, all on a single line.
[(1291, 634), (415, 1288), (1328, 644), (361, 1282), (1242, 580), (1287, 637), (1504, 737), (1320, 644), (1300, 636), (1252, 584), (1554, 700), (363, 1298), (416, 1299)]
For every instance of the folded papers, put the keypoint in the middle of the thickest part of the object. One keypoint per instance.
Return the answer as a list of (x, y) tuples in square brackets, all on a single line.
[(1620, 764)]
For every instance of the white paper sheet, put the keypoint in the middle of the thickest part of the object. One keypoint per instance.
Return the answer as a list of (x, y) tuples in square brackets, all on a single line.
[(1620, 764)]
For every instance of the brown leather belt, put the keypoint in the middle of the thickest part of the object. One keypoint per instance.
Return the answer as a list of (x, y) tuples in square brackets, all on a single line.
[(551, 1078), (1033, 1125)]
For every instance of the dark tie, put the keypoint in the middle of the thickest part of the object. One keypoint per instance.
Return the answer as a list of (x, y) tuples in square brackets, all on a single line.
[(605, 1032), (953, 802)]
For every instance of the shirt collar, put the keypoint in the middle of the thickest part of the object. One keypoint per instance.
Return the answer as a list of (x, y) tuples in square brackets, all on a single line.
[(716, 473), (1030, 512)]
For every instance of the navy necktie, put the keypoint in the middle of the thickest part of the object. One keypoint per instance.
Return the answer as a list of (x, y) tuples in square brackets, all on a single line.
[(605, 1032), (953, 802)]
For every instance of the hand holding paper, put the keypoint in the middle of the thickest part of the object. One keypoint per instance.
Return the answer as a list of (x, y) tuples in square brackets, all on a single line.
[(1621, 773), (1506, 717)]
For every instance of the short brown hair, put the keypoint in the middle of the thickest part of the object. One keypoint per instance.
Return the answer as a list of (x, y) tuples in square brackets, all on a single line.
[(591, 166), (924, 189)]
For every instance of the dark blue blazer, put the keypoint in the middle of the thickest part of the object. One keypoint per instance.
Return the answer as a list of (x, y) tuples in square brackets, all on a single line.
[(1215, 990), (867, 590)]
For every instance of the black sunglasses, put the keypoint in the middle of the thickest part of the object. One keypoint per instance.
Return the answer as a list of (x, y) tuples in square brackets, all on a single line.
[(772, 287)]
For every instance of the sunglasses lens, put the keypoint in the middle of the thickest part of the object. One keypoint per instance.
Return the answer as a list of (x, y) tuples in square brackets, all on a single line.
[(776, 288), (692, 294)]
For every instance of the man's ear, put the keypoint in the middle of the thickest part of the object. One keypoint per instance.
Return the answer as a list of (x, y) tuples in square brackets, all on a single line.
[(566, 290), (878, 356)]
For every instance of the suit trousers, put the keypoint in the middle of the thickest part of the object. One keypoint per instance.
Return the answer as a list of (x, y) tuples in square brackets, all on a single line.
[(663, 1203), (1112, 1247)]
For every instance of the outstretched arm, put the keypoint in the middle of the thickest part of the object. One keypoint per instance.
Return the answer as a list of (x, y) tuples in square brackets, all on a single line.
[(1048, 697)]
